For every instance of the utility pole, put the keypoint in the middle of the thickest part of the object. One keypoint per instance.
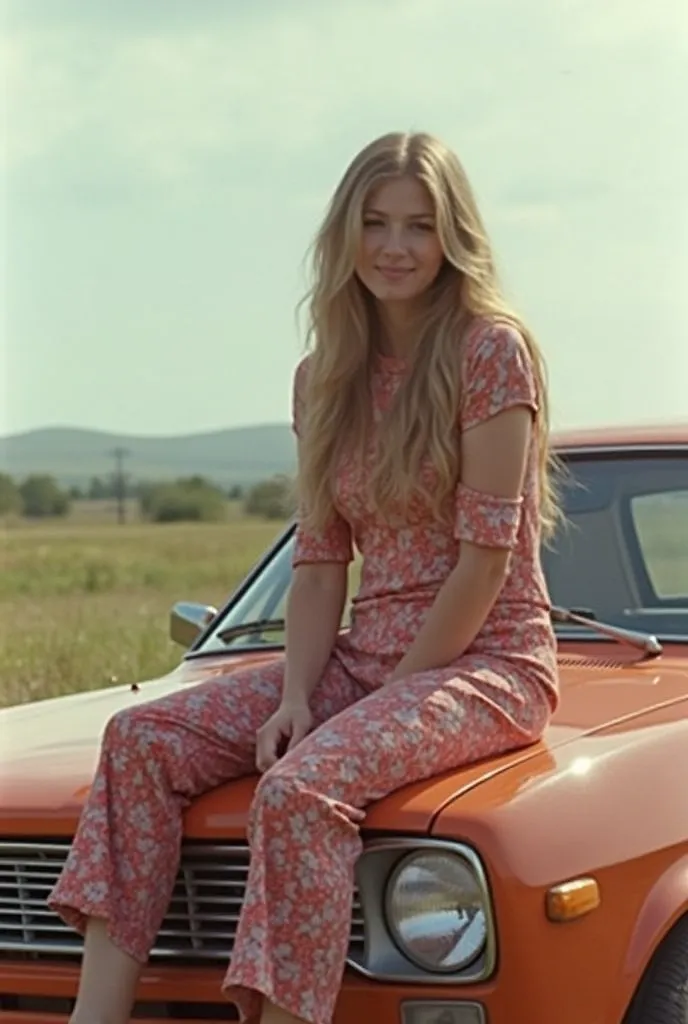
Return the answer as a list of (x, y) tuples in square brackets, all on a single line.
[(119, 455)]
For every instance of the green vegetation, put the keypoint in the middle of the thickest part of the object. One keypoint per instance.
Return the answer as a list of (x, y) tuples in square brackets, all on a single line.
[(192, 500), (85, 603), (37, 497), (10, 497), (272, 499), (42, 497)]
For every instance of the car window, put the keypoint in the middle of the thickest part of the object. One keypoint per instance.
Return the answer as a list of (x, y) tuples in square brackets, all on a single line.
[(661, 524), (621, 555), (265, 600)]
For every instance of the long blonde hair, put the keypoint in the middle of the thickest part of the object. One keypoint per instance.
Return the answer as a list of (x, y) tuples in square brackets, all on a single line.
[(422, 420)]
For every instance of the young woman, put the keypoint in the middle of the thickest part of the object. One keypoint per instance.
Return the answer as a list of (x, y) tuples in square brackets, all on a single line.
[(421, 417)]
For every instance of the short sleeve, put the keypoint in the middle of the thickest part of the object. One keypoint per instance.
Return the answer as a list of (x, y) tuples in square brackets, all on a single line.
[(498, 374), (334, 542)]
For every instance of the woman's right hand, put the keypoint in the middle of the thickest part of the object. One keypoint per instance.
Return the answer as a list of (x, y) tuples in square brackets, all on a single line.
[(291, 723)]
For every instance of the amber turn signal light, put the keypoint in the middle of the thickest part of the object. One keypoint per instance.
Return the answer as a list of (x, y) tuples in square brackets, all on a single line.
[(571, 900)]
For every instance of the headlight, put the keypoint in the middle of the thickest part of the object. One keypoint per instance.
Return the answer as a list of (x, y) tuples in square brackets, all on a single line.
[(436, 911)]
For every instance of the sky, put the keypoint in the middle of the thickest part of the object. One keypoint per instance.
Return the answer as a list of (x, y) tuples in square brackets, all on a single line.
[(165, 165)]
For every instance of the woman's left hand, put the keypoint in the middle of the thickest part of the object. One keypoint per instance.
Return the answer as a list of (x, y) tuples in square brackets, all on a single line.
[(291, 722)]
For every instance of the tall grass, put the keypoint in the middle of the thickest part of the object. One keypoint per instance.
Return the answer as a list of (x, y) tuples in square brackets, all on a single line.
[(83, 605)]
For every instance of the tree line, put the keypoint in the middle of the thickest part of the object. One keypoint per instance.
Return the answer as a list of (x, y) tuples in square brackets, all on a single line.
[(186, 499)]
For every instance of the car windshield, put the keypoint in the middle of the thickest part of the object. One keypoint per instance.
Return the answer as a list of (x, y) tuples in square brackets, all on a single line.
[(621, 556)]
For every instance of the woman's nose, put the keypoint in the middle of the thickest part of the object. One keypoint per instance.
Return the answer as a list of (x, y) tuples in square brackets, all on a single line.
[(394, 240)]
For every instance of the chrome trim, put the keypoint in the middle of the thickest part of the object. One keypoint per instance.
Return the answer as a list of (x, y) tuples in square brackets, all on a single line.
[(200, 923), (647, 642), (381, 959), (233, 652), (643, 447), (394, 931), (573, 633)]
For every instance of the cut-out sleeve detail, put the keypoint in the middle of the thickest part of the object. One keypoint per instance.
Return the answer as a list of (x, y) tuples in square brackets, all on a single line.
[(485, 519)]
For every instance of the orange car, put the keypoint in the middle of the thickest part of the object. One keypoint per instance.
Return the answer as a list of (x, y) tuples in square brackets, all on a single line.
[(562, 869)]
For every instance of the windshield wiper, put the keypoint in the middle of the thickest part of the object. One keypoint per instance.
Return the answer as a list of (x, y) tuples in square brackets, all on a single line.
[(645, 641), (250, 628)]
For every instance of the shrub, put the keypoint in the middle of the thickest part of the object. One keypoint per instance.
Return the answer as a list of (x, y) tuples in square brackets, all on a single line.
[(271, 499), (10, 496), (41, 496), (191, 500)]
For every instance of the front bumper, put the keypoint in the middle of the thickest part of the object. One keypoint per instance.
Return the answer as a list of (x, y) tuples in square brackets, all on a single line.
[(33, 993)]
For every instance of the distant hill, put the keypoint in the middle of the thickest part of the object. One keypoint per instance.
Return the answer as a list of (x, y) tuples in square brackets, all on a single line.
[(237, 456)]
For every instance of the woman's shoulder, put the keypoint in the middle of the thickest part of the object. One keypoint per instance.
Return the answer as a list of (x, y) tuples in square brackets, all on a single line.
[(498, 371), (491, 336)]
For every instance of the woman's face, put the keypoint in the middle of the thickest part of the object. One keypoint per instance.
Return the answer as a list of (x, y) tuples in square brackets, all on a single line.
[(400, 254)]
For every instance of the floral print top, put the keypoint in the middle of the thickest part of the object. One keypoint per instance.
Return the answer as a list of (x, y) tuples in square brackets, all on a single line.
[(404, 564)]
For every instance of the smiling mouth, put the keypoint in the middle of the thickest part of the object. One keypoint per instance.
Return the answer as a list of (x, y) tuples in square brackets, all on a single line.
[(394, 272)]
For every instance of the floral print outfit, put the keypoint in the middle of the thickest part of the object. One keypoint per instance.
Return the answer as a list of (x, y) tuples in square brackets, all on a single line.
[(370, 739)]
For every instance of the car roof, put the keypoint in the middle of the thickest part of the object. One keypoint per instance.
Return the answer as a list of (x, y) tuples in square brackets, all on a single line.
[(648, 435)]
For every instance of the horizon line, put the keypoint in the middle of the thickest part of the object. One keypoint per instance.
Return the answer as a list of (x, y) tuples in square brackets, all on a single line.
[(64, 429)]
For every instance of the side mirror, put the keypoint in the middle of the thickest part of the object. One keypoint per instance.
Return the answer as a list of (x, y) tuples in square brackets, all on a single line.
[(188, 620)]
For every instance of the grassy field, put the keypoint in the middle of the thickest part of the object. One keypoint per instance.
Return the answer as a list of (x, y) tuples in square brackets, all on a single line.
[(85, 603)]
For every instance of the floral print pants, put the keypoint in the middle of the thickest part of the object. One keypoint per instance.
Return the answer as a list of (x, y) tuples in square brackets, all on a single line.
[(293, 933)]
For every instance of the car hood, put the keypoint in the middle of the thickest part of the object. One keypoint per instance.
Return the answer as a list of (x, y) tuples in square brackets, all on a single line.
[(49, 748)]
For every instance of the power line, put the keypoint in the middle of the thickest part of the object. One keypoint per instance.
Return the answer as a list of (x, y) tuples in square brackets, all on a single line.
[(119, 479)]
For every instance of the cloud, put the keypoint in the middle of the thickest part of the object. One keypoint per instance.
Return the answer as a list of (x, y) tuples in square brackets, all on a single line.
[(569, 103), (128, 17), (167, 92), (165, 101)]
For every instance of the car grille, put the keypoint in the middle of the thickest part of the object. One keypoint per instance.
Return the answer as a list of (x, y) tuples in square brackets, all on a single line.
[(200, 924)]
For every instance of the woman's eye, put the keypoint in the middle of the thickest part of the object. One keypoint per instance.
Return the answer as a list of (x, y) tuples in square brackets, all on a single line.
[(372, 223)]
